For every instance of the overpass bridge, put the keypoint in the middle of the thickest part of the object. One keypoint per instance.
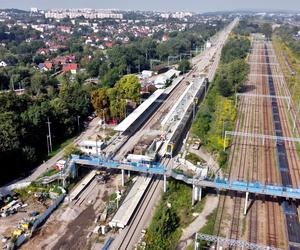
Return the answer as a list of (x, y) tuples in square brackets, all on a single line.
[(157, 168)]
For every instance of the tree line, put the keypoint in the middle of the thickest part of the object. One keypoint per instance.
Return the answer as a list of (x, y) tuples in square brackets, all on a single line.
[(286, 33), (217, 113), (23, 127), (248, 26), (111, 103)]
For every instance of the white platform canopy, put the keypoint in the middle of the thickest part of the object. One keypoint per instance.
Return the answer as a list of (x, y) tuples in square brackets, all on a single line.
[(129, 120)]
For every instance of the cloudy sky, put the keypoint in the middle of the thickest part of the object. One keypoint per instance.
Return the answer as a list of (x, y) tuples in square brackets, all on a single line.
[(163, 5)]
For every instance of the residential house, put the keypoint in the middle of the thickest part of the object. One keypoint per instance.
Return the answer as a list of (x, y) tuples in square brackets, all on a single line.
[(43, 51), (70, 67), (46, 66)]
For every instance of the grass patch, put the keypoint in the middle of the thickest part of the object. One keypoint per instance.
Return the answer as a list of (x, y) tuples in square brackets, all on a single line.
[(26, 193), (208, 228), (60, 146), (50, 172), (193, 158), (173, 213)]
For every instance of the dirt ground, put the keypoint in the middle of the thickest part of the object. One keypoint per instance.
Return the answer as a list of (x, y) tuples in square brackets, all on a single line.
[(10, 223), (72, 224)]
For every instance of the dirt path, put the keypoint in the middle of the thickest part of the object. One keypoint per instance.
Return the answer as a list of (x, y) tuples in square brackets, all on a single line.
[(213, 165), (189, 232)]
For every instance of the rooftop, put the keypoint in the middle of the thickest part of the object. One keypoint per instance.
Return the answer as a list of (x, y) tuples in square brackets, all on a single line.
[(129, 120)]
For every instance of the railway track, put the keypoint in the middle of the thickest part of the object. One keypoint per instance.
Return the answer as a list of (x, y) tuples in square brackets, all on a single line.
[(135, 222), (291, 177), (249, 154), (242, 160), (270, 175), (235, 146), (253, 213), (138, 215)]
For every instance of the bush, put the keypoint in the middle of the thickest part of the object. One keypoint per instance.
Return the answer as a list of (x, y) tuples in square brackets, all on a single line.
[(71, 149), (165, 228), (235, 48), (222, 159), (184, 66)]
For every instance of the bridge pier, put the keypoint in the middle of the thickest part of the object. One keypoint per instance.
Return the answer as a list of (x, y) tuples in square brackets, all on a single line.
[(246, 203), (64, 182), (123, 177), (196, 245), (165, 183), (193, 196), (196, 194), (128, 173)]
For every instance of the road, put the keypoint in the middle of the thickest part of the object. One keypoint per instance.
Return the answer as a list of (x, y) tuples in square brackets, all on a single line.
[(90, 130)]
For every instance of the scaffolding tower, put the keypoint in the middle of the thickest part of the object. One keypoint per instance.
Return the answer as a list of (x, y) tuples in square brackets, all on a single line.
[(224, 242)]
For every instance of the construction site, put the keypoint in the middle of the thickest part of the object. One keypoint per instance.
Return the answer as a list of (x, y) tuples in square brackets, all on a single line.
[(107, 195)]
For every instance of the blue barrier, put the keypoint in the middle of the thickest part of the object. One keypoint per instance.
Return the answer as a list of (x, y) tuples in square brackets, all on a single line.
[(256, 187), (146, 167), (218, 183)]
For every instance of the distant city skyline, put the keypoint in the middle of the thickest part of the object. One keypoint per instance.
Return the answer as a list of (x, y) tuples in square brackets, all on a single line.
[(166, 5)]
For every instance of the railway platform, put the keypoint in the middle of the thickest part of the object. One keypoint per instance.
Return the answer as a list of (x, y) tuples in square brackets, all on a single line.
[(129, 205)]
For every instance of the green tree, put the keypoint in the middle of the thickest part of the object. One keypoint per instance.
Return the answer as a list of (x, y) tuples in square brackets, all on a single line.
[(231, 76), (9, 140), (100, 102), (165, 222), (37, 83), (266, 29), (129, 87), (184, 66)]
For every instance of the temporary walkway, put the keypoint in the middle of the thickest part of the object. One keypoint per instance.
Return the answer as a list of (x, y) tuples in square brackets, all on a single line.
[(67, 170), (218, 183), (97, 162), (124, 213)]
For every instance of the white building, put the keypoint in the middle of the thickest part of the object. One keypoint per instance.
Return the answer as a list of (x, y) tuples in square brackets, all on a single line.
[(162, 79), (3, 64), (91, 147), (208, 45), (147, 74)]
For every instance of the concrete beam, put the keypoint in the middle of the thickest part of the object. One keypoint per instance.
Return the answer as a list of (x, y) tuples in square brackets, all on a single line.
[(123, 177), (246, 203), (165, 183)]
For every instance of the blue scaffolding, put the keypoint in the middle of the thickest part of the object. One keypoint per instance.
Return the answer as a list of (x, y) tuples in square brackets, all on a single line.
[(143, 167)]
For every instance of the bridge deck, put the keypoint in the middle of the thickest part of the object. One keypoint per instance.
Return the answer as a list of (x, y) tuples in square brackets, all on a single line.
[(220, 184), (155, 168), (242, 186)]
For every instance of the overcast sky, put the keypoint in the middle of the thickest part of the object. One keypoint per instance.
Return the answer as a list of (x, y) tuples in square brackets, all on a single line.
[(163, 5)]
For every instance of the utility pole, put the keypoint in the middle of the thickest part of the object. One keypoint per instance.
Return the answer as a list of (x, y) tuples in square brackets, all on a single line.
[(78, 123), (48, 148), (49, 135)]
